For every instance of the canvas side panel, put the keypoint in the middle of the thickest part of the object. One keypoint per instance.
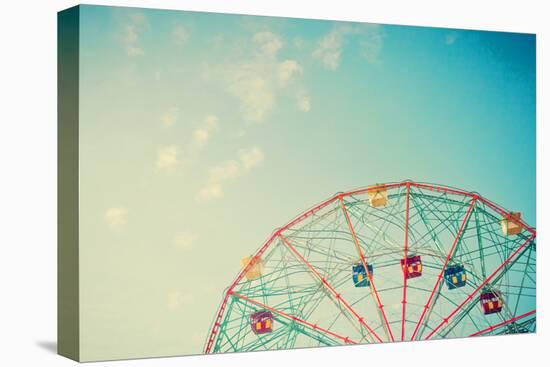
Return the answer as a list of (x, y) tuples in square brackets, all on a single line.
[(67, 186)]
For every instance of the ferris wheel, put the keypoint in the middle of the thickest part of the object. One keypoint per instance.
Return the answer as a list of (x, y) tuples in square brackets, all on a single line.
[(390, 262)]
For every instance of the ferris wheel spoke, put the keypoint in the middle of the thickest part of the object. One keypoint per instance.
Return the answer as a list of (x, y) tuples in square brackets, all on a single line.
[(447, 190), (369, 275), (329, 287), (440, 276), (480, 242), (486, 281), (405, 256), (503, 323), (310, 325)]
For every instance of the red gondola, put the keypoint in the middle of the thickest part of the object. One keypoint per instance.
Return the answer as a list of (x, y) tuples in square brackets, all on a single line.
[(261, 322), (491, 302), (412, 266)]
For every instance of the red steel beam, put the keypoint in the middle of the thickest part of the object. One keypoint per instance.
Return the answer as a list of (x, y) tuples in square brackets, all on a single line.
[(375, 187), (406, 250), (215, 327), (329, 287), (294, 318), (442, 189), (362, 256), (471, 295), (449, 255), (496, 326)]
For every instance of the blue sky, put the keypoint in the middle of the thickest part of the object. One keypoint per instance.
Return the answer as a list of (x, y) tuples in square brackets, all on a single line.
[(201, 133)]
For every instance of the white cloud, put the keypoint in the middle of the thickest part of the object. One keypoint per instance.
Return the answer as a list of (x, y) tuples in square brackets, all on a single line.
[(225, 171), (179, 298), (371, 41), (303, 102), (210, 191), (251, 157), (129, 36), (330, 47), (259, 77), (116, 217), (169, 117), (268, 42), (228, 171), (167, 157), (180, 34), (252, 87), (130, 41), (184, 240), (286, 69), (202, 134)]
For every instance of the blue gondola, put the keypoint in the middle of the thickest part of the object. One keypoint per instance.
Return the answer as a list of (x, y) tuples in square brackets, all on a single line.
[(359, 275), (455, 276)]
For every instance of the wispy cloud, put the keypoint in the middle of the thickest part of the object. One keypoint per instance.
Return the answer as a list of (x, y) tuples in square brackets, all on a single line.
[(129, 34), (202, 133), (185, 240), (169, 118), (170, 156), (116, 217), (329, 48), (167, 157), (225, 171), (228, 171), (210, 191), (258, 78), (253, 89), (303, 102), (450, 38), (180, 34), (269, 43), (250, 158), (286, 70)]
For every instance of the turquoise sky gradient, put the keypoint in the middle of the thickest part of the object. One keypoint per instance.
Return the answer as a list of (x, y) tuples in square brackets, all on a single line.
[(201, 133)]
